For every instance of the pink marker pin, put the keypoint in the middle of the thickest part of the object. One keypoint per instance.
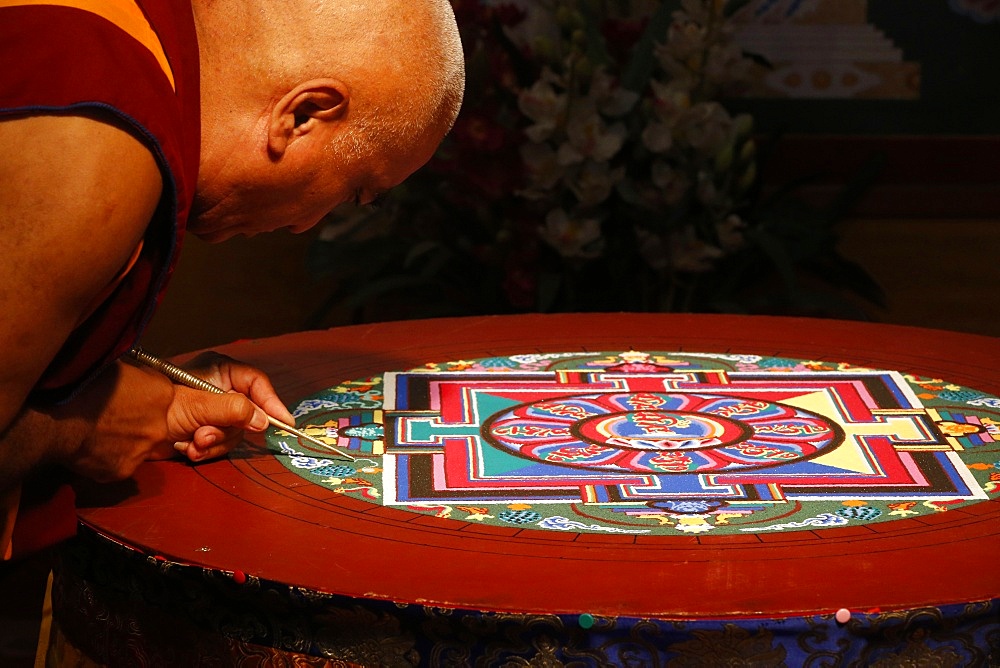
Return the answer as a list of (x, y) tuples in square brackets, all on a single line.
[(843, 616)]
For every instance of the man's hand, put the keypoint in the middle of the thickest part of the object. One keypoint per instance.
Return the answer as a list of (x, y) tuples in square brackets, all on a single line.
[(216, 433), (136, 413)]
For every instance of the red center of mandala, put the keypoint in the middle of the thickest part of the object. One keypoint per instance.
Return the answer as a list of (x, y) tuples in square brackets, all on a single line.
[(659, 430)]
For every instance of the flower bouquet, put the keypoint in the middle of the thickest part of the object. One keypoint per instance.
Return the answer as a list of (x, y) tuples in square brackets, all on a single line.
[(594, 167)]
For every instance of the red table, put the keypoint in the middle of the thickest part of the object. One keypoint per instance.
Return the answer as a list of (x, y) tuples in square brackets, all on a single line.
[(230, 517)]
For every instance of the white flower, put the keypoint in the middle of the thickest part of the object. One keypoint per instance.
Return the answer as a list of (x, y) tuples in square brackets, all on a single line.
[(730, 232), (572, 237), (685, 38), (706, 127), (651, 248), (690, 254), (681, 251), (706, 190), (726, 64), (594, 181), (544, 105), (658, 137), (681, 75), (539, 24), (670, 101), (612, 100), (542, 166), (671, 183), (590, 137)]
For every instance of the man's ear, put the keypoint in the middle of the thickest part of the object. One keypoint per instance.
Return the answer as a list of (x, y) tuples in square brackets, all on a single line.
[(303, 109)]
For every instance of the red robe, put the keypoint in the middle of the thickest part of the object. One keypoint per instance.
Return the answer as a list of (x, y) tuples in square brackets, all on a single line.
[(138, 61)]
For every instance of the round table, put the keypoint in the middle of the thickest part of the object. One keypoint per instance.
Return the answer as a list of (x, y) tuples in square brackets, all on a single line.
[(346, 581)]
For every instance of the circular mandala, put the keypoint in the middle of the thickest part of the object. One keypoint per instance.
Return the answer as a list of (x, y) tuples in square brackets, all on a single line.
[(653, 432), (648, 443)]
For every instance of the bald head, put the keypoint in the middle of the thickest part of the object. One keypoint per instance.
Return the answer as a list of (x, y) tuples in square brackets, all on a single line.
[(363, 76), (391, 53), (388, 52)]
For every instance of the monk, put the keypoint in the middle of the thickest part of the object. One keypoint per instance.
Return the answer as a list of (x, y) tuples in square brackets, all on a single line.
[(125, 123)]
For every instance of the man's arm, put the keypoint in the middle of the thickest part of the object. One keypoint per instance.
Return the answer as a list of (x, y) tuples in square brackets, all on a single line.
[(75, 199), (77, 195)]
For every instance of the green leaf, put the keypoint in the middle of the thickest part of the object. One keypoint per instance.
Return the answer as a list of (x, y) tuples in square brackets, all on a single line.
[(420, 251), (357, 258), (849, 275), (436, 261), (849, 196), (777, 253), (384, 286), (549, 287), (597, 51), (639, 70), (734, 6), (759, 59)]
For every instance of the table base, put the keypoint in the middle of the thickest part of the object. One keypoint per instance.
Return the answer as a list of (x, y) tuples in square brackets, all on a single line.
[(119, 607)]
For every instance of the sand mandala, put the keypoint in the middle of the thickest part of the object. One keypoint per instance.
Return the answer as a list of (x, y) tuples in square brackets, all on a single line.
[(652, 443)]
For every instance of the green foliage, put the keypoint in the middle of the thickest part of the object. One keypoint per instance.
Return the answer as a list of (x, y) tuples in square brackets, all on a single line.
[(789, 265), (638, 72)]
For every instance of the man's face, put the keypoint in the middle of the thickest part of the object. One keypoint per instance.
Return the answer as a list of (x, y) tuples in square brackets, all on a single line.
[(335, 177)]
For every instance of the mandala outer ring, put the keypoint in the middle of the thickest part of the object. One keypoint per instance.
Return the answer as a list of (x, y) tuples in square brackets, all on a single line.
[(686, 516)]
